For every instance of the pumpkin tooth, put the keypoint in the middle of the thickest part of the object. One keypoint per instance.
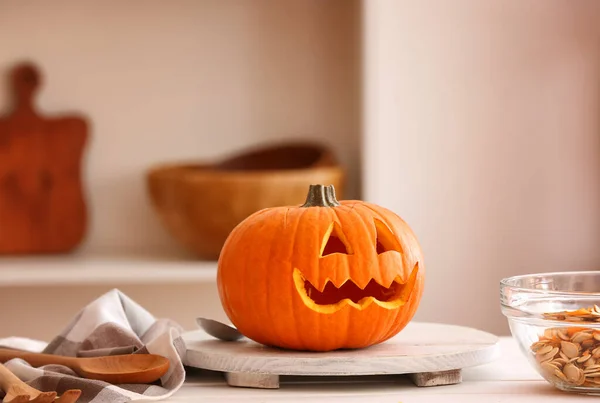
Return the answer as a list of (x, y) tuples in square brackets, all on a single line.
[(361, 283), (320, 284), (387, 281), (338, 283), (402, 280)]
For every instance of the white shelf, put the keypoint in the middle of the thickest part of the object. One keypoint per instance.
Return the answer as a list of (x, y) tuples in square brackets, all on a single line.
[(102, 270)]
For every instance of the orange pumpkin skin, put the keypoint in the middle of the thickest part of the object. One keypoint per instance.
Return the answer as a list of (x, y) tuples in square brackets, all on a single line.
[(267, 259)]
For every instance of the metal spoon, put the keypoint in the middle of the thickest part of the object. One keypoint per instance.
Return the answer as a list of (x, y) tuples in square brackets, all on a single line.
[(219, 330)]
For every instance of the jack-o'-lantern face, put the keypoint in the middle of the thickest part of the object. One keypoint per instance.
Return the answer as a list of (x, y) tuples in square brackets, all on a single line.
[(329, 290), (322, 276)]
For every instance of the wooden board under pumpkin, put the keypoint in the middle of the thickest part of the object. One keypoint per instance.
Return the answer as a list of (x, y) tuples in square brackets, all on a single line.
[(42, 203), (430, 354)]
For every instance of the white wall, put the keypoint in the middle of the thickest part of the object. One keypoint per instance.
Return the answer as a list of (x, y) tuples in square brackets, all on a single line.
[(482, 129), (186, 79)]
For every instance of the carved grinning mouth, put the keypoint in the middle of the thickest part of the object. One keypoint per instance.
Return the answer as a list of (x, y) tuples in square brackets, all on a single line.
[(332, 298), (332, 295)]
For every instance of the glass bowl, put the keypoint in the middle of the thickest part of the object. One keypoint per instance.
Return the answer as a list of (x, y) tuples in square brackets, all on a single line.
[(555, 318)]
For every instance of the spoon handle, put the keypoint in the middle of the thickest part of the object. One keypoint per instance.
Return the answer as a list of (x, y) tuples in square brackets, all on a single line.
[(37, 359), (7, 378)]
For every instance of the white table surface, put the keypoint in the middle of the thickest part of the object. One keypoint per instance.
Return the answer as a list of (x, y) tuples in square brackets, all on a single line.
[(508, 379)]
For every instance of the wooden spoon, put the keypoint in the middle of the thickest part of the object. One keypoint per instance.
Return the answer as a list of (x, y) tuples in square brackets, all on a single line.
[(116, 369), (18, 391), (219, 330), (70, 396)]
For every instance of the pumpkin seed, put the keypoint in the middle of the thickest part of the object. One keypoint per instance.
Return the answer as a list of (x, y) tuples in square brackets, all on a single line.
[(535, 347), (548, 356), (587, 344), (572, 373), (564, 336), (549, 367), (545, 349), (560, 375), (580, 337), (584, 358), (549, 333), (570, 349)]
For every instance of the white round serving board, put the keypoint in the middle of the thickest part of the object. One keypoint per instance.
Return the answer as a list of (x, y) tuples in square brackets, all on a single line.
[(419, 348)]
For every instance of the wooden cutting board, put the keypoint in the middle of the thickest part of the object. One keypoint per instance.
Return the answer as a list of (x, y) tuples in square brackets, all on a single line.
[(42, 204), (430, 354)]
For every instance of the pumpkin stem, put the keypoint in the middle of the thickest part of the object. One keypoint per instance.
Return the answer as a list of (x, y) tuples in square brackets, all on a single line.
[(321, 196)]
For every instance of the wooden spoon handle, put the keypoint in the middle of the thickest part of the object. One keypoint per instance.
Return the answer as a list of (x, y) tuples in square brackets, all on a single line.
[(38, 359), (7, 378), (70, 396)]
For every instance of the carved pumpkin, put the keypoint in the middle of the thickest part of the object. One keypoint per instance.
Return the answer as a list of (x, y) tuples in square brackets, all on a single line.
[(322, 276)]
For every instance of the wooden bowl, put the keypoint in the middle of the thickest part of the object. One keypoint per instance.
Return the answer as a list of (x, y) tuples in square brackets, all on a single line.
[(200, 203)]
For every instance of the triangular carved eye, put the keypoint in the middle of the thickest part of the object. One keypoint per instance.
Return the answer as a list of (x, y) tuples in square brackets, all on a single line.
[(386, 240), (335, 241)]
